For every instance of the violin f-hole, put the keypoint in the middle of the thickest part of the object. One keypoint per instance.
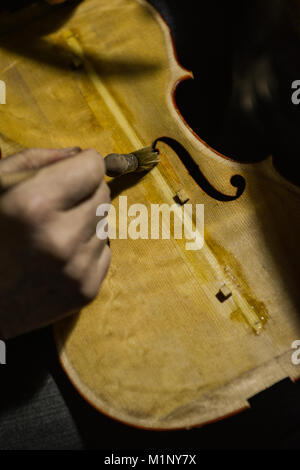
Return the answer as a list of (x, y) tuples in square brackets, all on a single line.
[(191, 166)]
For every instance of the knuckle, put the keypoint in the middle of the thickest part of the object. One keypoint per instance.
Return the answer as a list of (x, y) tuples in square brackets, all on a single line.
[(85, 291), (33, 209), (59, 245), (62, 249), (88, 293), (92, 282)]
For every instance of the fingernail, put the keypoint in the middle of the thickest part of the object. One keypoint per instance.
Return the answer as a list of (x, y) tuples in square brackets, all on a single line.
[(71, 150)]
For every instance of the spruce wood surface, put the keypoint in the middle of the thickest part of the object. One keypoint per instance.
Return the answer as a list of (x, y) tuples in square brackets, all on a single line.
[(159, 347)]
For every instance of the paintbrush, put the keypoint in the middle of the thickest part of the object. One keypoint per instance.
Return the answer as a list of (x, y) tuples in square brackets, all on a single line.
[(115, 165)]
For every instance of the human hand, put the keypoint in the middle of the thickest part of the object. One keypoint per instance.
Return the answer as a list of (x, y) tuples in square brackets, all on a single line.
[(52, 262)]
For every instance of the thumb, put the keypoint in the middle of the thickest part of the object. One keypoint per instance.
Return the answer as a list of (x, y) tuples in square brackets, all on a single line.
[(35, 158)]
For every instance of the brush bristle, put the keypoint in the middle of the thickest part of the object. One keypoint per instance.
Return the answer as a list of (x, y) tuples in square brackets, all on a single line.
[(147, 158)]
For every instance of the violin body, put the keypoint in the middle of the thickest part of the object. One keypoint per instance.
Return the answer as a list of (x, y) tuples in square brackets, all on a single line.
[(159, 348)]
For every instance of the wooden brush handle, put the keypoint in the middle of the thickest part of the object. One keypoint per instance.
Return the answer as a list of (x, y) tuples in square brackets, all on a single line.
[(115, 165)]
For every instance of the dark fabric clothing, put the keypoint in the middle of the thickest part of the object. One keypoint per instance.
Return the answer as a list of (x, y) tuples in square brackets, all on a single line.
[(33, 412)]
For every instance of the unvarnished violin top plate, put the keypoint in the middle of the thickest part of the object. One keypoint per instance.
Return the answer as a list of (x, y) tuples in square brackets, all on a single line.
[(157, 348)]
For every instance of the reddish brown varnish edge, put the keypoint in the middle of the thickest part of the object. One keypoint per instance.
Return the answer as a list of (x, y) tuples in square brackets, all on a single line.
[(145, 428)]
